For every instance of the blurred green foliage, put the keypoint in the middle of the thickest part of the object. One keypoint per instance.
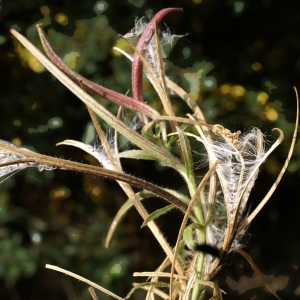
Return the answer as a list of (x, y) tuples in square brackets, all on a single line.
[(239, 60)]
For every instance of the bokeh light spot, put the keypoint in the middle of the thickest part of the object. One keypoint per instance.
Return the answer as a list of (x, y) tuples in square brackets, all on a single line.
[(96, 191), (208, 83), (270, 86), (197, 1), (186, 52), (237, 91), (55, 122), (297, 291), (36, 238), (59, 193), (225, 88), (2, 39), (122, 45), (27, 59), (61, 19), (45, 10), (89, 134), (17, 142), (293, 166), (116, 269), (238, 6), (262, 98), (256, 66), (70, 59), (270, 113), (17, 122), (100, 7)]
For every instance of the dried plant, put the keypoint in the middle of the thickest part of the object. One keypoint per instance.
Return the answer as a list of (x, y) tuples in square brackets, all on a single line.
[(214, 211)]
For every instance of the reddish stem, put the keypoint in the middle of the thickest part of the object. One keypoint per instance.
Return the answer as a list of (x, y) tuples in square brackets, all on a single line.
[(137, 65), (93, 87)]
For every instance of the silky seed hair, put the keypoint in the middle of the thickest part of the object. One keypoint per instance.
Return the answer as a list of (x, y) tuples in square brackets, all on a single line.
[(10, 170), (150, 52), (238, 154)]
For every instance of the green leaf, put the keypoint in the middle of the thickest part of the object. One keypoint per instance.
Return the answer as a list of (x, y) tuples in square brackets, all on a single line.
[(186, 152), (154, 139), (121, 214), (142, 195), (188, 235), (137, 154), (156, 214), (181, 251), (183, 127), (179, 196)]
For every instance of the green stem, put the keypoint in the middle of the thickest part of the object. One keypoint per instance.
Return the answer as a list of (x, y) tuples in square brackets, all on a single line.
[(200, 263), (201, 238), (197, 208)]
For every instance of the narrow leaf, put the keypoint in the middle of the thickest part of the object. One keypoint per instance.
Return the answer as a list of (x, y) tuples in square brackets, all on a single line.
[(128, 204), (156, 214), (186, 153), (121, 214), (136, 154), (188, 235)]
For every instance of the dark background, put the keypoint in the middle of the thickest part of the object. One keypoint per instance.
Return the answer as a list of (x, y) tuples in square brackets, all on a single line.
[(249, 46)]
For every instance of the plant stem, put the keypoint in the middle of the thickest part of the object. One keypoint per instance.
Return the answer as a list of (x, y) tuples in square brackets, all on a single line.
[(200, 262)]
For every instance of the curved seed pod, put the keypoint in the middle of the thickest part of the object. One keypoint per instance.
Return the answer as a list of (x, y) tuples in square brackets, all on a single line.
[(93, 87), (137, 66)]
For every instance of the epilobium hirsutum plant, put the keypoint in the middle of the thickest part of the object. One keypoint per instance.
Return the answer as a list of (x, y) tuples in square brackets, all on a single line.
[(214, 219)]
